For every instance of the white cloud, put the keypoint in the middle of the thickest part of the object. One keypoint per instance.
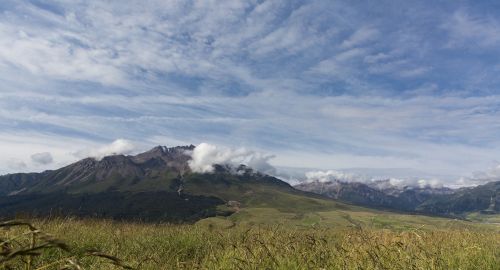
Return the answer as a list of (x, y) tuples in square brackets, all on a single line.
[(466, 29), (380, 183), (340, 66), (16, 165), (412, 182), (205, 155), (414, 72), (349, 54), (375, 58), (294, 36), (51, 57), (329, 67), (43, 158), (481, 177), (117, 147), (20, 147), (360, 36), (331, 175)]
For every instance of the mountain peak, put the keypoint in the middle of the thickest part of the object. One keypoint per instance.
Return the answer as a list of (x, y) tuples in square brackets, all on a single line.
[(162, 152), (160, 149), (157, 149), (178, 148)]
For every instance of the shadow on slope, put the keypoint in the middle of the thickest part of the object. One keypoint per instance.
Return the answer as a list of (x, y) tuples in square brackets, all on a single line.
[(140, 206)]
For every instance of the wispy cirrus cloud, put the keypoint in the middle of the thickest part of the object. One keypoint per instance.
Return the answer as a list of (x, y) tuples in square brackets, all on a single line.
[(360, 36), (315, 82), (468, 29)]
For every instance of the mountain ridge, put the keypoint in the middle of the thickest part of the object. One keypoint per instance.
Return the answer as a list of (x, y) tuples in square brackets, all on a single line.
[(423, 200)]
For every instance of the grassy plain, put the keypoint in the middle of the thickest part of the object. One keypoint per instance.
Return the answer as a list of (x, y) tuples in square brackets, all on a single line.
[(262, 238)]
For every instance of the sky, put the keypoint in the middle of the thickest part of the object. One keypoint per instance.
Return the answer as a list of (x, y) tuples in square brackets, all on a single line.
[(405, 85)]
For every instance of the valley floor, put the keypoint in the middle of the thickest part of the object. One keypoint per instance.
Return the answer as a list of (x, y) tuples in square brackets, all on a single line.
[(262, 238)]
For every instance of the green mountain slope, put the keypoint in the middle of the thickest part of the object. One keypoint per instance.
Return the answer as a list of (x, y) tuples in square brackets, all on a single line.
[(254, 190)]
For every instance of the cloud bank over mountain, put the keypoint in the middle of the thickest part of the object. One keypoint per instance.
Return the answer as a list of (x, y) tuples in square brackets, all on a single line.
[(205, 155), (117, 147), (342, 176), (332, 175), (481, 177)]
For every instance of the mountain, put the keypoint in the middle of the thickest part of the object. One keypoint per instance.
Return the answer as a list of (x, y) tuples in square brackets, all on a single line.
[(352, 192), (159, 185), (154, 185), (156, 167), (428, 200), (484, 198)]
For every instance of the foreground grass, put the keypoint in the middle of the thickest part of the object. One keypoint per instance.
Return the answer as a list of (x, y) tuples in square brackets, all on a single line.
[(209, 245)]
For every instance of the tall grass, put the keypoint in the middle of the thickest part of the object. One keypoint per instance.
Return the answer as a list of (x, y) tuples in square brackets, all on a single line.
[(25, 246), (164, 246)]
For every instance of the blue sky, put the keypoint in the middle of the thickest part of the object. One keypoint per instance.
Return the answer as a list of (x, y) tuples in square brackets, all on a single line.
[(323, 84)]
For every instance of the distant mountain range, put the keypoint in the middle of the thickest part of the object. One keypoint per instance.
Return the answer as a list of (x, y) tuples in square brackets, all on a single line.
[(159, 185), (437, 201)]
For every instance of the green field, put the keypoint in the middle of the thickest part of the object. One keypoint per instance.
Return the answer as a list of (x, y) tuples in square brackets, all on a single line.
[(261, 238)]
